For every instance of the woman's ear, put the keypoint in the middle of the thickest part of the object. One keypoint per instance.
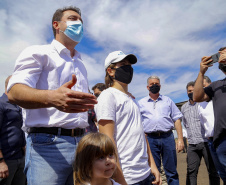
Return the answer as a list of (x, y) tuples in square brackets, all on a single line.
[(111, 71)]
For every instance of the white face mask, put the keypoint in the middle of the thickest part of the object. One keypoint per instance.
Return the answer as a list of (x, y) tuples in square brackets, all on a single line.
[(74, 30)]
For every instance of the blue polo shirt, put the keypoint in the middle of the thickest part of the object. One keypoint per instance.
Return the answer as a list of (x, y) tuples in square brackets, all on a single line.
[(12, 138)]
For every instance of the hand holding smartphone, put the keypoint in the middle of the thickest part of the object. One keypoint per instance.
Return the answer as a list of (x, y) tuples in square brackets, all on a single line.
[(215, 58)]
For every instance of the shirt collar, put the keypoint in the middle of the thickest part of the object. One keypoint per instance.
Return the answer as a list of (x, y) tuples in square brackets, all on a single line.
[(61, 48), (149, 99), (190, 103)]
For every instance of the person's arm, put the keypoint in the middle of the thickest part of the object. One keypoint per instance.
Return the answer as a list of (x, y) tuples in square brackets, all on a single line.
[(107, 127), (199, 94), (4, 171), (180, 141), (154, 169), (63, 98)]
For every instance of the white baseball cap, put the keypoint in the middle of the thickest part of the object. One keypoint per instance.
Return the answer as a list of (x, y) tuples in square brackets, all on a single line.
[(117, 56)]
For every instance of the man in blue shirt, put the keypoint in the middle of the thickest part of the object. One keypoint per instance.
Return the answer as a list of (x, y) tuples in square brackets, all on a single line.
[(12, 142), (160, 115)]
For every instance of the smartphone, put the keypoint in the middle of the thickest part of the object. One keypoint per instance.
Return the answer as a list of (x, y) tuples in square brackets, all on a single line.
[(215, 58)]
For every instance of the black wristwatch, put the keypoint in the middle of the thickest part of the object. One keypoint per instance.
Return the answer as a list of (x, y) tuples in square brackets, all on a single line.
[(1, 159)]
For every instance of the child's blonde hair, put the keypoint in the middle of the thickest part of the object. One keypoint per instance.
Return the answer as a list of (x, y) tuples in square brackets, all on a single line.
[(90, 147)]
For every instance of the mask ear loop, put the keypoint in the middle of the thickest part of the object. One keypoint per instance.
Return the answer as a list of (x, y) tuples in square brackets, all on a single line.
[(59, 29)]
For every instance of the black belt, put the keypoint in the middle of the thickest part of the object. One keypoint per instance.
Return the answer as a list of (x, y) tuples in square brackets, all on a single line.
[(158, 133), (56, 130)]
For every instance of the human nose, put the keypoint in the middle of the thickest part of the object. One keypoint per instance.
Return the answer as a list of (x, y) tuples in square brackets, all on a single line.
[(108, 160)]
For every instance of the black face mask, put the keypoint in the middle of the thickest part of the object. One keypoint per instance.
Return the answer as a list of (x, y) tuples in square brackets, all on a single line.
[(222, 67), (124, 74), (190, 96), (154, 88), (97, 95)]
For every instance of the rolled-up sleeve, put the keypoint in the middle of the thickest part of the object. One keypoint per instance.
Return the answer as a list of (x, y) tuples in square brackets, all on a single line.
[(175, 112), (27, 69)]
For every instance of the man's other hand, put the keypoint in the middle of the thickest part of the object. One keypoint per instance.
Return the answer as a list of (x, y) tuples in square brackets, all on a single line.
[(4, 171)]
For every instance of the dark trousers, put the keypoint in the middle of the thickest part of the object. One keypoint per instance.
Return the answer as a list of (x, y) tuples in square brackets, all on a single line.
[(185, 150), (219, 167), (147, 181), (194, 156), (16, 174)]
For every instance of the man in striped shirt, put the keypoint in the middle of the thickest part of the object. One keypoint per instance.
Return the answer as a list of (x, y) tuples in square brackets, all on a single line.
[(198, 146)]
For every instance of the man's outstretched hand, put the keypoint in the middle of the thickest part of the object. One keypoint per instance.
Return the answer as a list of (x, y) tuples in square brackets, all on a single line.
[(67, 100)]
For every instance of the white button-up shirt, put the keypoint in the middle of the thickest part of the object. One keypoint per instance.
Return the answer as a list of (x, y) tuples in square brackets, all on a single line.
[(47, 67), (206, 114)]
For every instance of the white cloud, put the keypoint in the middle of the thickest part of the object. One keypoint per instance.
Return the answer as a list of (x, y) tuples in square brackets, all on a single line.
[(169, 37)]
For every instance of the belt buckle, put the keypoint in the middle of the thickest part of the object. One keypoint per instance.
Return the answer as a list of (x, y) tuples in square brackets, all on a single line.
[(72, 132)]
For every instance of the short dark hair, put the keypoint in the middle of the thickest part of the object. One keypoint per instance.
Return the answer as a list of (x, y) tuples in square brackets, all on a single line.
[(221, 49), (57, 16), (207, 79), (100, 86), (191, 83)]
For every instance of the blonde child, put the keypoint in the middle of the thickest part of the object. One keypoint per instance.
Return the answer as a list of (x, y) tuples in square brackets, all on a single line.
[(95, 160)]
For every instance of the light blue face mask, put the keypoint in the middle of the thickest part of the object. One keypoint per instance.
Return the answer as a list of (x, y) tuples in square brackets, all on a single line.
[(74, 30)]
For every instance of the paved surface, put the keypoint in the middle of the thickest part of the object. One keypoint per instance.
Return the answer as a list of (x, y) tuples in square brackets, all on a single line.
[(203, 178)]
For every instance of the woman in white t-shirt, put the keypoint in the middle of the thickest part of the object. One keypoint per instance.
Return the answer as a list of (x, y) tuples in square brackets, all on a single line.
[(119, 117)]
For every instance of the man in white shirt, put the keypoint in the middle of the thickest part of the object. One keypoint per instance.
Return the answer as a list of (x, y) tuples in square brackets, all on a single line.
[(205, 110), (50, 83)]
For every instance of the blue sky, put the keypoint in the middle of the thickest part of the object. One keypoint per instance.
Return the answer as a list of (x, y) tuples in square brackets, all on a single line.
[(168, 37)]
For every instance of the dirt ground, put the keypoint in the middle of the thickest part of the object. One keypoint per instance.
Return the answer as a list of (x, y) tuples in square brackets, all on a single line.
[(203, 178)]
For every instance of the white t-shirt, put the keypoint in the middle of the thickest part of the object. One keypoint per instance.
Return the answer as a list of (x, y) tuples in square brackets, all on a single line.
[(47, 67), (205, 110), (129, 135)]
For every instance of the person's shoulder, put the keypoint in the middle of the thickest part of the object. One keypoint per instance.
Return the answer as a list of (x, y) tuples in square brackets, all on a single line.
[(37, 49), (166, 99), (218, 82), (3, 101), (106, 93), (143, 100), (184, 105)]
